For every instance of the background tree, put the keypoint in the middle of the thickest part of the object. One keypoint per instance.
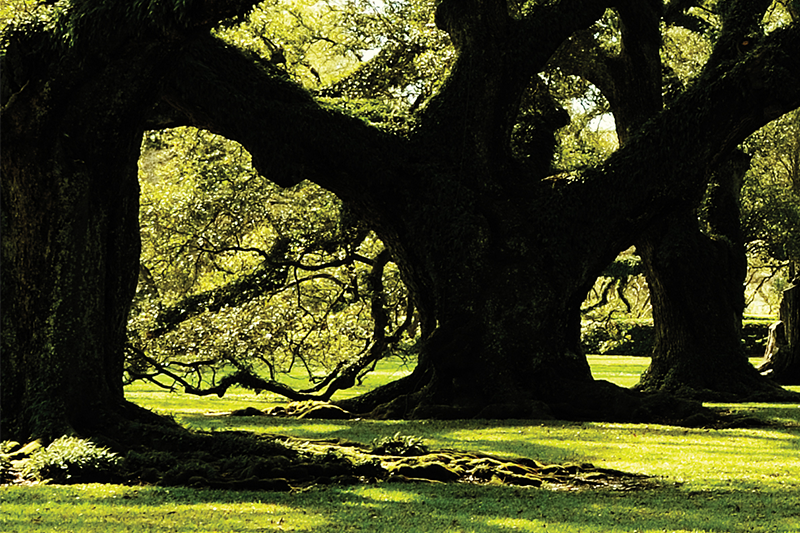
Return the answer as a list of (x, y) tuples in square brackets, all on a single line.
[(772, 214), (697, 310)]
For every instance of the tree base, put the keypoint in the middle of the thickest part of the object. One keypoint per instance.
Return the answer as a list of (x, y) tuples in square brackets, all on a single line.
[(781, 361), (739, 383), (568, 400), (159, 452)]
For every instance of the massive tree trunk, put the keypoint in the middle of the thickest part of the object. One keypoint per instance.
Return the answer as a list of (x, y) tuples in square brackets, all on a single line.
[(696, 283), (73, 119), (71, 141)]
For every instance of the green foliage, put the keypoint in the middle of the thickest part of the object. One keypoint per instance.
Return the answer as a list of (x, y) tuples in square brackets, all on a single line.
[(377, 61), (589, 138), (618, 337), (636, 337), (238, 274), (771, 192), (770, 209), (620, 293), (6, 447), (397, 444), (71, 460)]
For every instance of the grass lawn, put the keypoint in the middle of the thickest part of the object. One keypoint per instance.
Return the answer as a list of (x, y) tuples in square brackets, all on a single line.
[(734, 480)]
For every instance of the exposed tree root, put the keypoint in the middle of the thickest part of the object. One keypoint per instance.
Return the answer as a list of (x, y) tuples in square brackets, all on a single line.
[(163, 454), (743, 384), (583, 400)]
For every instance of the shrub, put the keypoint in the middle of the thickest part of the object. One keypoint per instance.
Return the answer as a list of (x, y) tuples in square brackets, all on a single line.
[(397, 444), (618, 337), (72, 460), (635, 337)]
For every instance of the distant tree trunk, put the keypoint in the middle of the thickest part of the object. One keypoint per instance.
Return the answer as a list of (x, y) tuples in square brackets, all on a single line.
[(697, 308), (782, 356), (695, 282)]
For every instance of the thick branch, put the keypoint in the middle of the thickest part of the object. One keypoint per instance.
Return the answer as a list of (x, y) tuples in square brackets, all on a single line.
[(539, 35), (289, 135), (630, 79), (209, 12), (664, 163), (472, 117)]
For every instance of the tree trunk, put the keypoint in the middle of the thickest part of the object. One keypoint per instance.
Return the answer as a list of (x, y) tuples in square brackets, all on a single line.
[(697, 309), (497, 259), (782, 356), (696, 285), (71, 136), (74, 106)]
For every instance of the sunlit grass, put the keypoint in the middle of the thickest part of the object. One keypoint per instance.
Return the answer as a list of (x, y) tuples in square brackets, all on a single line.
[(102, 508), (623, 371), (176, 402)]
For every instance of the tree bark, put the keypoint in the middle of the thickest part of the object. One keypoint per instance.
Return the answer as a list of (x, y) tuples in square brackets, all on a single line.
[(73, 118), (697, 309), (70, 240), (696, 284)]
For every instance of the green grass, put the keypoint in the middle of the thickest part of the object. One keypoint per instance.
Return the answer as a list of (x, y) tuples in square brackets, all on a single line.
[(733, 480), (624, 371)]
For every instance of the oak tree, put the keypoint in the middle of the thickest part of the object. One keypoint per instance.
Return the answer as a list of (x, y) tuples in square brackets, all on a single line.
[(497, 252)]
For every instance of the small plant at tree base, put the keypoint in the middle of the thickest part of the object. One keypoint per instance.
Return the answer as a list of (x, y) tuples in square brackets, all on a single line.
[(71, 460), (397, 444)]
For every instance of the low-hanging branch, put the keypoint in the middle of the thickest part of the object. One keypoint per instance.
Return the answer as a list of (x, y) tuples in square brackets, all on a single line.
[(271, 275), (344, 375), (264, 279)]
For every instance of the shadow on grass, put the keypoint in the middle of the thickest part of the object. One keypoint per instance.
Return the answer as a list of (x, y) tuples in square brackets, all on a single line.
[(548, 441), (391, 507)]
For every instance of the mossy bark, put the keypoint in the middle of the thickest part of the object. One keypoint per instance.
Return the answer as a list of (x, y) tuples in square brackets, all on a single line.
[(71, 135), (76, 93)]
